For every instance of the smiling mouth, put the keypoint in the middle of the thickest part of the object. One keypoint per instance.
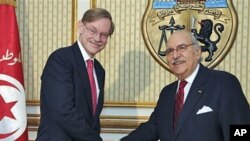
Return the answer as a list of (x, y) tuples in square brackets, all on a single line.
[(97, 44), (178, 62)]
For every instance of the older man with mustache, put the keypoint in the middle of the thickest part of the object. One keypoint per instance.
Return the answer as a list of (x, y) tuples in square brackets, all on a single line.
[(200, 106)]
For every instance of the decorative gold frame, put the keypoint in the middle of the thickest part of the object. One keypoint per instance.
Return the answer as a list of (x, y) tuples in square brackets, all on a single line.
[(109, 124), (73, 39), (74, 19)]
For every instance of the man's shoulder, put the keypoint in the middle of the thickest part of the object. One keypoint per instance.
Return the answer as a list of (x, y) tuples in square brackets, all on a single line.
[(220, 74), (66, 50), (170, 86)]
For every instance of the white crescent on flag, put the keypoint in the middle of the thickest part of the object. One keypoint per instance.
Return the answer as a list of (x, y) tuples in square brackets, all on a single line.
[(14, 114)]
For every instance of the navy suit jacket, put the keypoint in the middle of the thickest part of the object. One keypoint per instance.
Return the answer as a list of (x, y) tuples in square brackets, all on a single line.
[(66, 109), (218, 90)]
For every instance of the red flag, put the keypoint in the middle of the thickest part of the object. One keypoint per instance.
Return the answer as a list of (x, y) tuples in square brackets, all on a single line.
[(13, 117)]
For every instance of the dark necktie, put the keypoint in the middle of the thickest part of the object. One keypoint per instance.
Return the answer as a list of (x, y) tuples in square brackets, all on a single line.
[(179, 101), (92, 84)]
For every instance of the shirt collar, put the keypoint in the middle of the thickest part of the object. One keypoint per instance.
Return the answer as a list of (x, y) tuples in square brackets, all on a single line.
[(83, 51), (190, 78)]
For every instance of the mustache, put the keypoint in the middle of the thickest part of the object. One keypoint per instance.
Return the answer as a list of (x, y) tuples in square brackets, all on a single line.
[(177, 61)]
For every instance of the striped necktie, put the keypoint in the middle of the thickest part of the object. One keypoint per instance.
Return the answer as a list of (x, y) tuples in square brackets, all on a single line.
[(179, 101), (90, 67)]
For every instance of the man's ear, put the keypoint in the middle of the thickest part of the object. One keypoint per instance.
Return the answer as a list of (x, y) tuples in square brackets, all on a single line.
[(198, 52), (80, 26)]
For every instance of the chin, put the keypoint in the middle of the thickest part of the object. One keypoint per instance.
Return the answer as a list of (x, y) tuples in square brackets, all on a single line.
[(178, 73)]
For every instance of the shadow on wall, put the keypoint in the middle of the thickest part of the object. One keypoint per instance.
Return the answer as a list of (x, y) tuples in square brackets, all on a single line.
[(131, 79)]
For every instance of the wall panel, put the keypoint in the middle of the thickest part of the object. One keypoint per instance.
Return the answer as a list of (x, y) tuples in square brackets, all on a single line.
[(134, 78), (44, 26)]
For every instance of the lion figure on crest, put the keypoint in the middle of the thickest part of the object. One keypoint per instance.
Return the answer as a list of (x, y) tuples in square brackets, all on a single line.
[(204, 35)]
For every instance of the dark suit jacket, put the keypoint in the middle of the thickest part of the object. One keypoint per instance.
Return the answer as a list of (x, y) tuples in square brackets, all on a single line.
[(218, 90), (66, 109)]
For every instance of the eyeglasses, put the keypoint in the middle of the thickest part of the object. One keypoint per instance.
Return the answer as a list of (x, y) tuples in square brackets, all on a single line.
[(180, 48), (93, 32)]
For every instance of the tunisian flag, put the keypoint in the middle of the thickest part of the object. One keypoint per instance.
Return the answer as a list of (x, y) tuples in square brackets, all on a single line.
[(13, 117)]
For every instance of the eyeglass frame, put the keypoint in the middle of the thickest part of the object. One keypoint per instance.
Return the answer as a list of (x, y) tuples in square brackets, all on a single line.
[(93, 31), (179, 48)]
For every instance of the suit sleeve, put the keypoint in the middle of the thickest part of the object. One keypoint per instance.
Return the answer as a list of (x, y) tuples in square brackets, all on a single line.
[(57, 92), (149, 131), (145, 132), (234, 108)]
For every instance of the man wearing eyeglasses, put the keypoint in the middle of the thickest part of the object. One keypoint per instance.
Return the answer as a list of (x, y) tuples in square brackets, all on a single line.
[(72, 90), (200, 106)]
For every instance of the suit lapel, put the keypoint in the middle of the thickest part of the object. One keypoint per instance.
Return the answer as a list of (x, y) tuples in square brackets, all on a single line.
[(194, 95), (100, 79), (83, 75), (170, 107)]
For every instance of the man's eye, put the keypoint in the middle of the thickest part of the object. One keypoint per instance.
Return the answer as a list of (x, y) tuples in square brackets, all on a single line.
[(92, 31), (105, 34), (181, 47), (168, 51)]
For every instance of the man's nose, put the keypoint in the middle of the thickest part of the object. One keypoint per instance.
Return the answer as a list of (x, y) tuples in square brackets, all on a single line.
[(176, 53), (97, 37)]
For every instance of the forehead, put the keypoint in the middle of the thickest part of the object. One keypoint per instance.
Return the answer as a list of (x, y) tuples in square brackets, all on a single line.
[(178, 38), (102, 24)]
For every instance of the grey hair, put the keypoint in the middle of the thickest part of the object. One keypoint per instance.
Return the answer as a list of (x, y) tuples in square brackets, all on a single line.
[(196, 43)]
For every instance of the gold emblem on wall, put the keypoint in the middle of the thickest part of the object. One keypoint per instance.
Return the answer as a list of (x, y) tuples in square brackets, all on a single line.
[(214, 24)]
